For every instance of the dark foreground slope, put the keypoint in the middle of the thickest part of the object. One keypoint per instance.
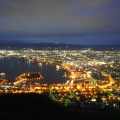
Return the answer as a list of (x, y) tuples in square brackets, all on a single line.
[(40, 107)]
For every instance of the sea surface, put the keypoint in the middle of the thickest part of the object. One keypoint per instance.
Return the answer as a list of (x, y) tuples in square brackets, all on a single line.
[(13, 67)]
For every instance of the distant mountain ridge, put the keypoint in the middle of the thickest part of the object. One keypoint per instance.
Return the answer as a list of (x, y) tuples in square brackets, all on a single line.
[(5, 43)]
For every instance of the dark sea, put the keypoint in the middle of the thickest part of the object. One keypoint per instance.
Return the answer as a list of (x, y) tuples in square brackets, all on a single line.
[(13, 67)]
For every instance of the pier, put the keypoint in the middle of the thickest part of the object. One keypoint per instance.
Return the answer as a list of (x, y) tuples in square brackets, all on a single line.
[(28, 77)]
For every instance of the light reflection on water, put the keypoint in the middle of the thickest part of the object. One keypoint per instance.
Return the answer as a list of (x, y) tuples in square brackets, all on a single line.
[(13, 67)]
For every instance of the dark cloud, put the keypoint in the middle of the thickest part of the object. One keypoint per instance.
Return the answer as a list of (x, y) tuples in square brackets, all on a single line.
[(27, 19)]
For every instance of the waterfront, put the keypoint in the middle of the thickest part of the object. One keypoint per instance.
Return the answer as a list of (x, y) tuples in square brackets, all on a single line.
[(87, 82), (13, 67)]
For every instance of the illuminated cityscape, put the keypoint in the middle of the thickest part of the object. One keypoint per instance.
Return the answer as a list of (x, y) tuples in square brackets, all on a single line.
[(59, 59), (92, 76)]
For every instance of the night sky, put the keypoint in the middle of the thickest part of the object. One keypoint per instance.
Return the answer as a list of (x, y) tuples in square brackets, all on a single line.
[(87, 22)]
